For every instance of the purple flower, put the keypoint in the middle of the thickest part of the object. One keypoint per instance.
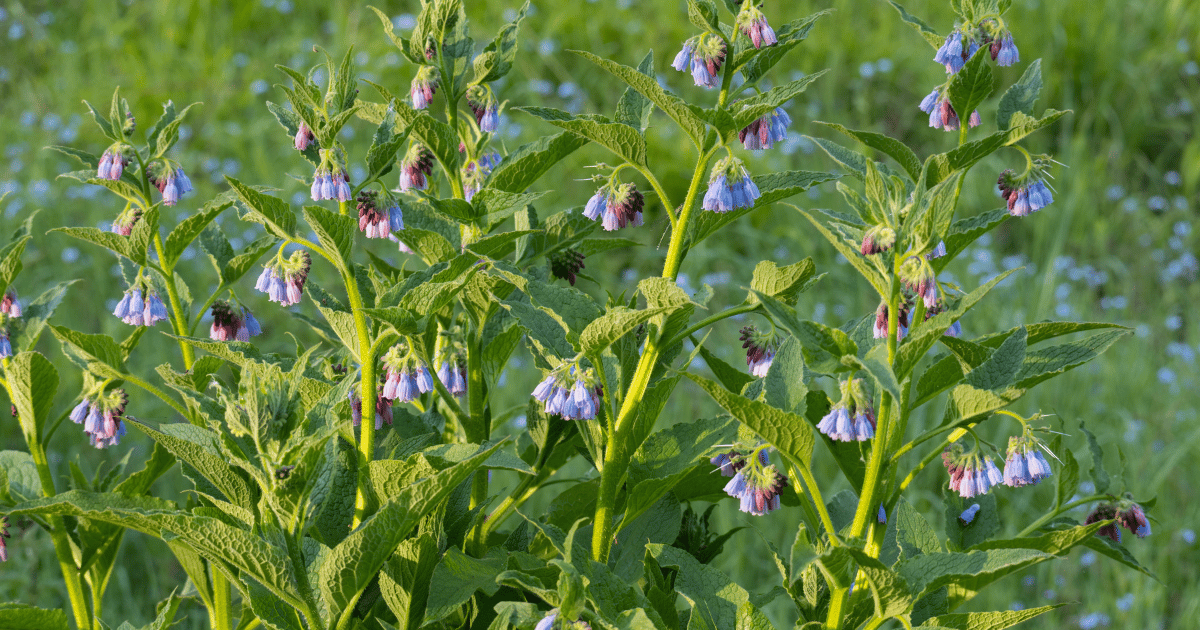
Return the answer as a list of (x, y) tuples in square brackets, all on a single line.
[(882, 516), (596, 205), (760, 350), (942, 114), (452, 372), (423, 87), (154, 310), (341, 186), (103, 418), (757, 486), (304, 136), (1105, 512), (707, 60), (1024, 195), (547, 622), (572, 394), (730, 187), (1024, 464), (728, 463), (485, 107), (233, 323), (617, 206), (415, 168), (1004, 51), (684, 59), (5, 345), (881, 321), (918, 277), (753, 23), (376, 221), (183, 182), (283, 281), (112, 164), (852, 419), (383, 409), (1134, 519), (476, 172), (929, 102), (764, 132), (955, 52), (9, 304)]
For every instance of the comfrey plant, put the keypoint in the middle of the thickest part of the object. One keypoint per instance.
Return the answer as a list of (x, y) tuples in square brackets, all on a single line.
[(303, 514)]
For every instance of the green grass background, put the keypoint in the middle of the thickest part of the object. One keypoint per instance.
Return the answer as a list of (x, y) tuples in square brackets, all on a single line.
[(1117, 245)]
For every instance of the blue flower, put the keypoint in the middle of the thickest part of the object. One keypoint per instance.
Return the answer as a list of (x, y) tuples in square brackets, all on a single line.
[(1024, 464), (938, 251), (728, 463), (684, 58), (423, 87), (730, 187), (1004, 51), (5, 345), (950, 54), (929, 102), (453, 374), (112, 164), (485, 107), (596, 205), (881, 321), (707, 60), (103, 418), (617, 206), (760, 350), (943, 116), (968, 514), (547, 622), (852, 418), (475, 173), (1134, 519), (572, 394), (154, 311), (882, 516), (754, 24), (1027, 194), (283, 281)]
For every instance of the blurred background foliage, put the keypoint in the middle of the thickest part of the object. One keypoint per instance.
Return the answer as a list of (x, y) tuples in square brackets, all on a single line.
[(1118, 244)]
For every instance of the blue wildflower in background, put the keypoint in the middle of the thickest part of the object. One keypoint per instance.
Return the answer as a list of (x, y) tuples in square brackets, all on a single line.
[(852, 419), (765, 131)]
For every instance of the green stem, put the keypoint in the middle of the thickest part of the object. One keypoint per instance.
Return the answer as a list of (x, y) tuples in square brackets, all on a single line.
[(712, 319), (97, 600), (207, 303), (662, 195), (136, 380), (679, 232), (814, 493), (222, 602), (366, 358), (1046, 517), (480, 421), (178, 319)]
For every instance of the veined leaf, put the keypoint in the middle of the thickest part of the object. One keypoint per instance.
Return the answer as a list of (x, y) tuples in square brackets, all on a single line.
[(971, 84), (788, 432), (648, 87), (926, 31), (1021, 95), (622, 140), (893, 148), (273, 213)]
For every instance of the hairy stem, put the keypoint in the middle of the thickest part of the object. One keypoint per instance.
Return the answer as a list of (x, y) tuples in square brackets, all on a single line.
[(1046, 518), (366, 441), (222, 618), (178, 317)]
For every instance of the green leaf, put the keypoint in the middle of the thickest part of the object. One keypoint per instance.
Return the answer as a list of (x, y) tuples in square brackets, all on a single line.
[(272, 213), (335, 232), (988, 620), (32, 383), (494, 205), (965, 231), (169, 135), (1047, 363), (781, 283), (381, 155), (659, 523), (893, 148), (784, 383), (876, 366), (616, 323), (26, 330), (291, 124), (198, 447), (755, 63), (919, 25), (647, 85), (1099, 474), (865, 266), (429, 131), (998, 370), (353, 563), (666, 458), (120, 245), (528, 163), (717, 600), (985, 524), (458, 577), (730, 377), (1021, 95), (1068, 478), (405, 580), (908, 535), (497, 58), (182, 236), (929, 572), (100, 352), (622, 140), (824, 347), (755, 107), (972, 84), (703, 15), (14, 616), (633, 109), (106, 127), (788, 432)]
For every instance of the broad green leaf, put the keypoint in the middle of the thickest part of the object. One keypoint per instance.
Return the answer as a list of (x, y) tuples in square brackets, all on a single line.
[(381, 156), (658, 523), (120, 245), (890, 593), (633, 109), (494, 205), (1043, 331), (459, 576), (622, 140), (864, 265), (755, 107), (1021, 95), (1049, 362), (998, 370), (788, 432), (647, 86), (893, 148), (1067, 477), (908, 535), (353, 563), (335, 232), (755, 63), (10, 261), (198, 447), (169, 135), (106, 126), (497, 58), (32, 384), (272, 213), (15, 616), (99, 352), (972, 84), (703, 15), (429, 131), (528, 163), (182, 236), (666, 457), (929, 572), (1099, 474), (732, 378), (824, 347), (19, 480), (606, 329), (781, 283), (988, 620), (923, 29), (404, 582), (784, 384), (26, 330), (716, 599), (964, 232)]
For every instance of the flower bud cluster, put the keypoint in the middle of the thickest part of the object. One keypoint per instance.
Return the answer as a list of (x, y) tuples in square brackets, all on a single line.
[(485, 107), (10, 308), (233, 323), (407, 376), (415, 168), (112, 163), (1125, 513), (102, 417), (283, 280), (753, 23), (423, 87), (378, 218), (765, 131), (383, 409), (571, 392), (755, 481), (616, 205), (760, 349), (565, 264), (852, 419), (171, 181), (704, 54), (304, 136)]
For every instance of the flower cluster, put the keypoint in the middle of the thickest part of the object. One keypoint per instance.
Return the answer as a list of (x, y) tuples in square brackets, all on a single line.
[(881, 321), (485, 107), (331, 184), (407, 376), (112, 163), (1027, 193), (376, 221), (125, 221), (10, 308), (383, 409), (566, 264), (172, 182), (730, 187), (475, 173), (877, 239), (753, 23), (919, 278), (853, 417), (415, 168), (304, 136), (765, 131), (1024, 464), (283, 280), (102, 418), (138, 309), (755, 481), (571, 392), (760, 349), (1125, 513), (704, 54), (956, 50), (971, 474), (452, 372), (616, 205), (233, 323), (942, 114), (423, 87)]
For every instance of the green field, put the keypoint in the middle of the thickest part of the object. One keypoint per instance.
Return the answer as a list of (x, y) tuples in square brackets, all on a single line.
[(1118, 245)]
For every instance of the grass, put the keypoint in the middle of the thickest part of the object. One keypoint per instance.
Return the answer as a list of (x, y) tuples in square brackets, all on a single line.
[(1117, 245)]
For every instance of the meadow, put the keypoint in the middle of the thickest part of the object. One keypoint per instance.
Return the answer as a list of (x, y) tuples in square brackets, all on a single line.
[(1119, 244)]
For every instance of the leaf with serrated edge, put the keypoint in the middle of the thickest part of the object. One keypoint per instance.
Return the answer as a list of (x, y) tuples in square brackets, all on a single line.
[(788, 432), (648, 87)]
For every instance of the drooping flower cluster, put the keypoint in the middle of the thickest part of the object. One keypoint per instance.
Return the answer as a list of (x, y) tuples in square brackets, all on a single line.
[(283, 280), (485, 107), (423, 87), (880, 329), (971, 474), (616, 205), (942, 114), (760, 349), (956, 50), (1125, 513), (765, 131), (10, 308), (452, 372), (852, 419), (330, 184), (1024, 464), (570, 391), (753, 23), (565, 264), (304, 136), (383, 409), (704, 54), (171, 181), (125, 221), (919, 278), (415, 168), (755, 481), (102, 418), (730, 187), (877, 239), (141, 309), (112, 163), (233, 323), (407, 377), (1027, 193), (999, 41), (475, 173), (378, 218)]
